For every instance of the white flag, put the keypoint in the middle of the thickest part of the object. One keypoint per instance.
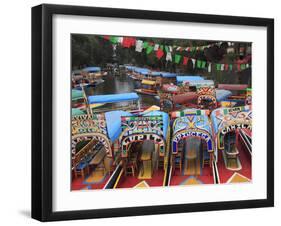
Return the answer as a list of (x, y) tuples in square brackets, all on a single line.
[(120, 39), (209, 67), (169, 56), (139, 45), (156, 47), (193, 63)]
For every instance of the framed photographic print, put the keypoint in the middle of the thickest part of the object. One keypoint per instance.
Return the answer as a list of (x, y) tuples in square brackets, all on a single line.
[(147, 112)]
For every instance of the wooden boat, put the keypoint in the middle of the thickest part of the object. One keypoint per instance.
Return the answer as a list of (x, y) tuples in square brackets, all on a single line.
[(146, 92), (185, 98), (149, 87)]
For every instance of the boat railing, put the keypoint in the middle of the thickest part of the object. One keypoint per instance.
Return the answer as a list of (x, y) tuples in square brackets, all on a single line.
[(216, 175), (114, 178)]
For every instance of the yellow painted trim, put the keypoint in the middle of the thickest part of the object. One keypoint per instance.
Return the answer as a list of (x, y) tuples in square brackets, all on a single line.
[(117, 181)]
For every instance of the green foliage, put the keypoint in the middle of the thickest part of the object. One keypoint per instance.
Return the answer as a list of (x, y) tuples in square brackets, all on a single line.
[(89, 50)]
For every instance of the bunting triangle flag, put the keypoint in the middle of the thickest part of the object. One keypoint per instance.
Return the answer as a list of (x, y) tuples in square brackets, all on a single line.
[(198, 63), (203, 64), (226, 67), (160, 50), (238, 67), (185, 60), (177, 58), (113, 39), (193, 62), (210, 67), (169, 56), (149, 49), (218, 67), (156, 47), (139, 46), (145, 44), (159, 53)]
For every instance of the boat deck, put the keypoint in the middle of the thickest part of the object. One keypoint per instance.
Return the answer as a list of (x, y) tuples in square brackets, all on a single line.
[(206, 177), (232, 176), (95, 180), (134, 181)]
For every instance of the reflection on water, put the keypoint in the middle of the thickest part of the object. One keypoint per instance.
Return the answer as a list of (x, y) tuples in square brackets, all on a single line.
[(120, 84)]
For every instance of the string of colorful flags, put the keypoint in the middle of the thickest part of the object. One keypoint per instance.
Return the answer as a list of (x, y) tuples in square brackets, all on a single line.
[(161, 50)]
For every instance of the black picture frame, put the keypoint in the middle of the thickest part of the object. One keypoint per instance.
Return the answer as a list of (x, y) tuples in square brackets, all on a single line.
[(42, 111)]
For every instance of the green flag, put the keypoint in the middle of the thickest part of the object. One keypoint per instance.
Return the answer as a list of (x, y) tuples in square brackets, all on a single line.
[(203, 64), (230, 67), (149, 49), (243, 66), (192, 50), (144, 45), (177, 58), (167, 49), (198, 63), (113, 39), (218, 67)]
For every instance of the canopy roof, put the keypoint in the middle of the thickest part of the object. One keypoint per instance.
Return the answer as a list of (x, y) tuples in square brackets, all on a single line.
[(189, 78), (222, 94), (200, 83), (148, 82), (92, 69), (76, 111), (130, 68), (112, 98), (76, 94), (113, 123), (233, 86), (143, 71), (156, 73), (168, 75)]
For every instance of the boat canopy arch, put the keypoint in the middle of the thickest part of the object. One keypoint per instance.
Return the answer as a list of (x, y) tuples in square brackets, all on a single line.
[(194, 123), (206, 93), (85, 127), (225, 120), (150, 126)]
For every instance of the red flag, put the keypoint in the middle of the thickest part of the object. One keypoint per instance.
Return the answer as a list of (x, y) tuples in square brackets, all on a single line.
[(106, 37), (159, 53), (185, 60), (238, 67), (128, 42), (226, 67)]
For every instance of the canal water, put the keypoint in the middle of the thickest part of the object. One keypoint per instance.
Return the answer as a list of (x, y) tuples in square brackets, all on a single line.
[(122, 83)]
